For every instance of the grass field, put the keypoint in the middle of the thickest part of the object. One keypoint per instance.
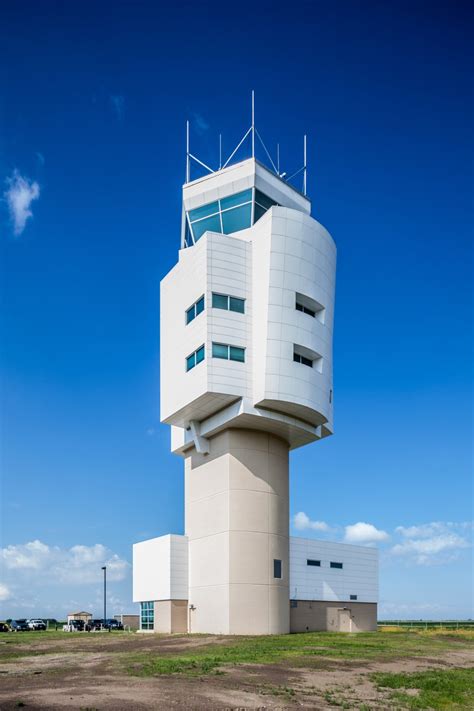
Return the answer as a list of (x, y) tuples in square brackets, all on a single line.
[(415, 669)]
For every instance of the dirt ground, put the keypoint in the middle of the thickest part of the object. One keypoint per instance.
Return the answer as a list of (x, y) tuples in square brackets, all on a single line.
[(83, 673)]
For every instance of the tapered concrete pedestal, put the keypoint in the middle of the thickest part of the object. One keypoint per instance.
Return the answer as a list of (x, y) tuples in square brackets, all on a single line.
[(236, 520)]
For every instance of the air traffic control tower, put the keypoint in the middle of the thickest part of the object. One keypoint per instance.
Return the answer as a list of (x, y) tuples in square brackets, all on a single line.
[(246, 376)]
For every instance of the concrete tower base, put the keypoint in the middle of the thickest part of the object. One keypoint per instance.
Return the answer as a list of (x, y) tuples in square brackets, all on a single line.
[(236, 520)]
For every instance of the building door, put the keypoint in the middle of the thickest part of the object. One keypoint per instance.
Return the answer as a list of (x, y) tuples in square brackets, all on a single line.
[(345, 620)]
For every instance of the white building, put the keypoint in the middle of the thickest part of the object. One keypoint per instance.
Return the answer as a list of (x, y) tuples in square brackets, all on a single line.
[(246, 376)]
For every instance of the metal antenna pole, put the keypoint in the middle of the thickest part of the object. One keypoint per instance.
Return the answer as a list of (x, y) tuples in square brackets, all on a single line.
[(253, 124), (220, 151), (278, 159), (188, 165), (304, 165)]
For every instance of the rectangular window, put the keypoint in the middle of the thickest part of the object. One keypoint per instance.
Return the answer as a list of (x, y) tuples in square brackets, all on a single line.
[(293, 603), (226, 352), (301, 359), (147, 615), (236, 304), (305, 310), (353, 597), (309, 306), (228, 303), (195, 358), (195, 310), (277, 568), (313, 562), (335, 565)]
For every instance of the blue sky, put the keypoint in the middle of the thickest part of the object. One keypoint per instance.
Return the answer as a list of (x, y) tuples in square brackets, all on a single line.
[(93, 103)]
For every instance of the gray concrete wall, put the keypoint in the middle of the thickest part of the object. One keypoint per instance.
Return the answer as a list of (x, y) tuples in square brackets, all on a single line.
[(321, 616)]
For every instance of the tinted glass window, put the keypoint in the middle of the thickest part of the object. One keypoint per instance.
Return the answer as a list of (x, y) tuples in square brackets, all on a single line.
[(200, 305), (277, 568), (220, 351), (213, 224), (200, 354), (204, 211), (190, 361), (190, 313), (237, 304), (219, 301), (237, 354), (263, 200), (313, 562), (237, 219), (336, 565), (237, 199)]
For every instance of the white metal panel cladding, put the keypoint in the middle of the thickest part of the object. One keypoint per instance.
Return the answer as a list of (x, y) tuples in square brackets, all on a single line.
[(358, 576), (160, 569)]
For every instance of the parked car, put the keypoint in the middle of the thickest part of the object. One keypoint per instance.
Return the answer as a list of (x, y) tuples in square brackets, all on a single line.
[(95, 625), (36, 624), (19, 626), (4, 627), (113, 625), (74, 626)]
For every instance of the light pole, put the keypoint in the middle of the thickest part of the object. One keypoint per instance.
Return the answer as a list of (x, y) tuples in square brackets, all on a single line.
[(104, 568)]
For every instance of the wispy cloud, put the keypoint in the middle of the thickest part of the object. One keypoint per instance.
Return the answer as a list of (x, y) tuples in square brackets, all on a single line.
[(19, 195), (200, 123), (79, 564), (5, 593), (364, 533), (432, 543), (117, 102), (302, 522)]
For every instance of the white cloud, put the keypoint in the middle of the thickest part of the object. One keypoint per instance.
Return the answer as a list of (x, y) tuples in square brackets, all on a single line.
[(364, 533), (78, 564), (426, 530), (427, 551), (302, 522), (5, 593), (20, 194)]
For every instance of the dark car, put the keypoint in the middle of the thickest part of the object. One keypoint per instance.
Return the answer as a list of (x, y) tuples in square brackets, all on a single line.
[(19, 626), (4, 627), (113, 625), (94, 625)]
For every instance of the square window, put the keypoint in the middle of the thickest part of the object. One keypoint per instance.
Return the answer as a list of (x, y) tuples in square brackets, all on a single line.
[(277, 568), (353, 597), (296, 358), (237, 354), (306, 361), (236, 304), (219, 350), (219, 301)]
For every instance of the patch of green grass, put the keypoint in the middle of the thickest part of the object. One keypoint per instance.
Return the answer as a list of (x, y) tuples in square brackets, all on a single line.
[(285, 691), (300, 648), (436, 688)]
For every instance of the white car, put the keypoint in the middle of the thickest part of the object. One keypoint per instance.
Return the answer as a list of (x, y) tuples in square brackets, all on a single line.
[(36, 624)]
